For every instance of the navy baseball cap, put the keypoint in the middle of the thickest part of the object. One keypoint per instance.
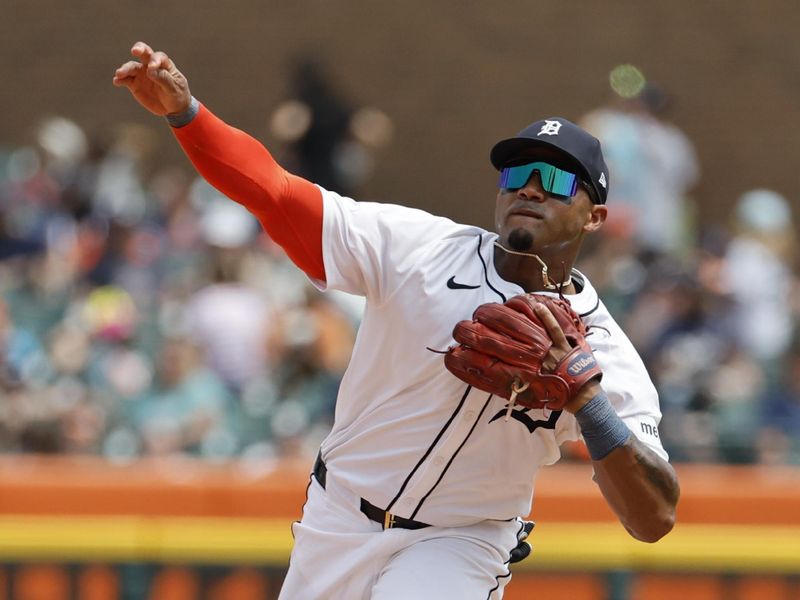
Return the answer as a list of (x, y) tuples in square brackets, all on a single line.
[(563, 135)]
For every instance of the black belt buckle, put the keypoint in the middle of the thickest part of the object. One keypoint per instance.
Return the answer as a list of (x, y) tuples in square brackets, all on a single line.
[(389, 520)]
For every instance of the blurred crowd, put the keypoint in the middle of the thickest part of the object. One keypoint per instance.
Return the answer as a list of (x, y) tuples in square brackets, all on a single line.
[(712, 310), (142, 314)]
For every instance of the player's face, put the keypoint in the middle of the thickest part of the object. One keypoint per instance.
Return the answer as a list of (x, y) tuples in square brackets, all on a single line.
[(530, 219)]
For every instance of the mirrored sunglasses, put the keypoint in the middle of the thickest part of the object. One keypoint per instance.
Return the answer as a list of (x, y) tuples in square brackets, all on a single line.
[(555, 181)]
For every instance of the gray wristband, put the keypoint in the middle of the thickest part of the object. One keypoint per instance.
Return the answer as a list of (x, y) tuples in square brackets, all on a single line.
[(184, 118), (602, 428)]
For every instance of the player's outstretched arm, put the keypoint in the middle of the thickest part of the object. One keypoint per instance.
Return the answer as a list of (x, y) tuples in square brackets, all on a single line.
[(288, 207)]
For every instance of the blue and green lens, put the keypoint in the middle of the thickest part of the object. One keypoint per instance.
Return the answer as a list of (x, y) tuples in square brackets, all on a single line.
[(554, 180)]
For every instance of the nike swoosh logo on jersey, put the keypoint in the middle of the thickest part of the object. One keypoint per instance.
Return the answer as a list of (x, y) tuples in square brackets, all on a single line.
[(453, 285)]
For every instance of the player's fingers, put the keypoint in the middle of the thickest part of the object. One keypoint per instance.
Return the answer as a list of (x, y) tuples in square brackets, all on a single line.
[(124, 82), (162, 70), (128, 69), (126, 74), (142, 51), (159, 60), (551, 324)]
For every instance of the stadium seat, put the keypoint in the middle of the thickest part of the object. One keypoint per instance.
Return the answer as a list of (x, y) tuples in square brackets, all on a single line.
[(41, 582), (669, 587), (765, 588), (96, 582), (175, 583), (574, 587), (241, 584)]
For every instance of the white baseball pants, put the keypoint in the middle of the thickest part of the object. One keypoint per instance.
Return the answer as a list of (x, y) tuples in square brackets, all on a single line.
[(339, 554)]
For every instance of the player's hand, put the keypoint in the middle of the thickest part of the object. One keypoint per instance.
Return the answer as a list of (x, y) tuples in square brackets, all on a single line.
[(154, 81), (560, 348)]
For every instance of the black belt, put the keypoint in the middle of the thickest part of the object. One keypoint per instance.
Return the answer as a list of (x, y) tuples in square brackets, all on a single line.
[(373, 513)]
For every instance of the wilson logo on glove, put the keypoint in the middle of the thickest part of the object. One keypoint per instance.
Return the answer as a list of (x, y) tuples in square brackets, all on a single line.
[(580, 363)]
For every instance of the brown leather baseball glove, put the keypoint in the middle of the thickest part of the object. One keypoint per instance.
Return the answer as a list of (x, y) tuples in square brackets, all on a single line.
[(503, 348)]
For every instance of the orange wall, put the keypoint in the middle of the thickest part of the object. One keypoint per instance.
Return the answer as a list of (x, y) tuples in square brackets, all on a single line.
[(184, 487)]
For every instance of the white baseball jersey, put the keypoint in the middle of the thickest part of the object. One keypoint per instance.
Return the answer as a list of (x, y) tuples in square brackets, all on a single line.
[(409, 436)]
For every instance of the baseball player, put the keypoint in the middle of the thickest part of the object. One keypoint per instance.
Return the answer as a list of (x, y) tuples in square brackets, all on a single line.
[(418, 489)]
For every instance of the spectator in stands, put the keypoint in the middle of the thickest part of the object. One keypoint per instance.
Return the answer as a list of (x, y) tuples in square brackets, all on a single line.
[(312, 352), (329, 141), (229, 320), (779, 436), (758, 274), (19, 348), (653, 167), (188, 410), (675, 322)]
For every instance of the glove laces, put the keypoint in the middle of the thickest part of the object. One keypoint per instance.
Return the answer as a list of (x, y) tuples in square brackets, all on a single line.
[(516, 388)]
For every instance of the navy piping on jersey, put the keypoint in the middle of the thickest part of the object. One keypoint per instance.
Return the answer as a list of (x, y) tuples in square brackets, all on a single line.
[(507, 564), (596, 306), (430, 448), (486, 271), (302, 510), (580, 284), (452, 458), (497, 579)]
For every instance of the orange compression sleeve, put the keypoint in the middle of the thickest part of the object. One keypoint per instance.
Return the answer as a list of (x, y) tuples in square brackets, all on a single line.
[(288, 207)]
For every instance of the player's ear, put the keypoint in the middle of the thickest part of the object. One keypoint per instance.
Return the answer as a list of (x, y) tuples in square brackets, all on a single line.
[(597, 216)]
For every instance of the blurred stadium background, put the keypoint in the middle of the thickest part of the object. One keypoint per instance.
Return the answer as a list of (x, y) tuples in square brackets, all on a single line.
[(155, 445)]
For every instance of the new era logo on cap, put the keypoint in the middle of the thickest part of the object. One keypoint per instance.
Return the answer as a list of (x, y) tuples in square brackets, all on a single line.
[(561, 134)]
